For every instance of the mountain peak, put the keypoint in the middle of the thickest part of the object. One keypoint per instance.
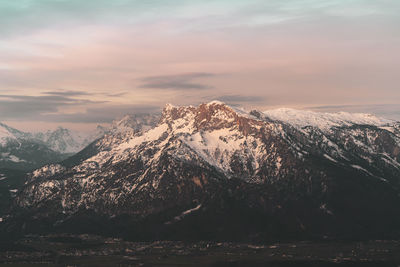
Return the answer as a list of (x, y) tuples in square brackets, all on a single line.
[(202, 114), (169, 106), (210, 116), (135, 122), (216, 102), (171, 112)]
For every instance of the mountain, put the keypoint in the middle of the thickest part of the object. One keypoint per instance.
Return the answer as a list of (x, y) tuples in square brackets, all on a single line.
[(10, 181), (8, 133), (362, 141), (19, 150), (121, 129), (134, 122), (65, 141), (23, 150), (219, 173), (19, 153), (324, 121)]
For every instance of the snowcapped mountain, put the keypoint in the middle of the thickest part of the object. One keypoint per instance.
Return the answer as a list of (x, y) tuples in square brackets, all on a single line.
[(19, 150), (134, 122), (9, 134), (324, 121), (344, 137), (276, 173), (66, 141)]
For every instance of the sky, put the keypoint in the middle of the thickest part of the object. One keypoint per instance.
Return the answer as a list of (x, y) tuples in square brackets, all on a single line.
[(80, 63)]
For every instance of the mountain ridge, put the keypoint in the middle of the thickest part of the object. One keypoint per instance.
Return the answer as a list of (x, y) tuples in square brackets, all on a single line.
[(218, 163)]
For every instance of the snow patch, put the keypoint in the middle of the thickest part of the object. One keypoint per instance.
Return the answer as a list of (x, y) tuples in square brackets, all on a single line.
[(330, 158), (48, 170), (185, 213), (361, 168), (151, 135)]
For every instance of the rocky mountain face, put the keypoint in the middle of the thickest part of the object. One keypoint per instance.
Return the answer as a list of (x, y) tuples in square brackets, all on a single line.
[(215, 172)]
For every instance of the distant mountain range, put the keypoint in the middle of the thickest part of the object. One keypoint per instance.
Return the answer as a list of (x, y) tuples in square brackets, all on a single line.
[(20, 150), (25, 150), (216, 172)]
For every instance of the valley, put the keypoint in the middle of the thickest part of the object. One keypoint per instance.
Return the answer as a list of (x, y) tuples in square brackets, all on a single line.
[(87, 250)]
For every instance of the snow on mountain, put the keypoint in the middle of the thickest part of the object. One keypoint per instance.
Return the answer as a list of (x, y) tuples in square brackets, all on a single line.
[(323, 121), (5, 135), (8, 133), (22, 150), (213, 155), (134, 122), (60, 140), (66, 141), (63, 140), (123, 129), (212, 136), (219, 134), (216, 145)]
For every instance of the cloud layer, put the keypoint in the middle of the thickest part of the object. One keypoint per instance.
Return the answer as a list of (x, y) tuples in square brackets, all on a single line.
[(184, 81)]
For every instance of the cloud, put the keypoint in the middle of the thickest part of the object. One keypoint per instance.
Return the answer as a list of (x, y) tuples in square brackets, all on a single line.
[(285, 52), (117, 94), (66, 93), (46, 108), (23, 16), (241, 99), (32, 107), (104, 114), (178, 82), (18, 17)]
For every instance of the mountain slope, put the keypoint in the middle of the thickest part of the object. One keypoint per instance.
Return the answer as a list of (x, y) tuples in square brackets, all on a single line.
[(120, 130), (216, 172)]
